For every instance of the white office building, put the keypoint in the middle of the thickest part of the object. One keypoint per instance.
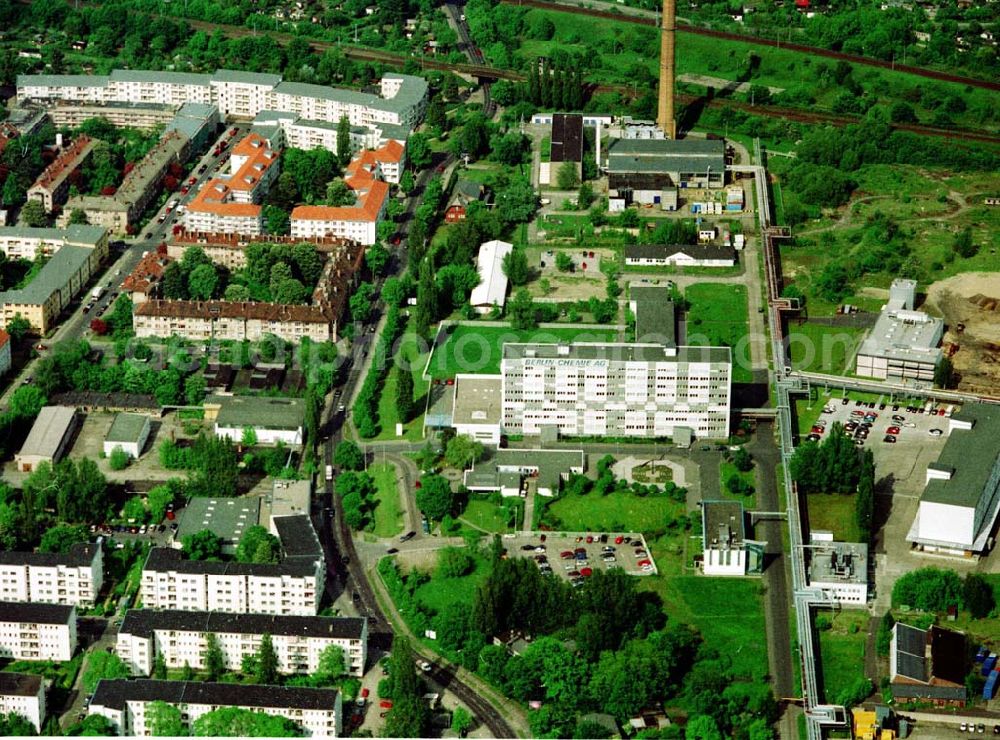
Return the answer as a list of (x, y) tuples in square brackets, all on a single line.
[(73, 578), (37, 631), (180, 637), (961, 499), (839, 569), (171, 582), (23, 694), (125, 703)]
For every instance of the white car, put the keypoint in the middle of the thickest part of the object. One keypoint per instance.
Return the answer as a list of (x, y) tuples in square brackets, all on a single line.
[(424, 665), (935, 432)]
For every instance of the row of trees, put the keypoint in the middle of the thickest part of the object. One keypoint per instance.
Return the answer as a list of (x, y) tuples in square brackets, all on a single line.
[(936, 590), (365, 414)]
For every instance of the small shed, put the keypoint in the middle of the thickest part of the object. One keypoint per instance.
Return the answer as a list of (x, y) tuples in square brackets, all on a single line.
[(128, 433)]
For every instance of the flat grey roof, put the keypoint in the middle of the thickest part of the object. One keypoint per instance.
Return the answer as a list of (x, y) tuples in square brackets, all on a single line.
[(227, 517), (261, 412), (617, 352), (843, 562), (174, 78), (655, 314), (167, 559), (19, 684), (47, 433), (299, 541), (16, 611), (289, 497), (904, 335), (116, 693), (80, 555), (54, 276), (143, 622), (127, 427), (501, 465), (722, 523), (411, 92), (62, 80), (478, 399), (666, 155), (81, 234), (971, 455), (322, 92), (247, 78)]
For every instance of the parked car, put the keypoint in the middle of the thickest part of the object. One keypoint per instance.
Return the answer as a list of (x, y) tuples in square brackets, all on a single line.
[(892, 430), (889, 438), (586, 572), (935, 432), (566, 554), (408, 536)]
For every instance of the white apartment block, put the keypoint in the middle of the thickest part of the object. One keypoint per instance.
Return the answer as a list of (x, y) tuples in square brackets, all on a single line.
[(37, 631), (402, 101), (74, 578), (124, 702), (180, 637), (23, 694), (171, 582), (618, 390)]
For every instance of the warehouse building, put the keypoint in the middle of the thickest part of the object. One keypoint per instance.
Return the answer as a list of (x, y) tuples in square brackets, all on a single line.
[(73, 578), (961, 497), (272, 419), (125, 703), (839, 569), (49, 438), (662, 255), (180, 638), (566, 146), (640, 170), (171, 582), (23, 694), (128, 433), (927, 665), (37, 632), (492, 288), (228, 518), (903, 344)]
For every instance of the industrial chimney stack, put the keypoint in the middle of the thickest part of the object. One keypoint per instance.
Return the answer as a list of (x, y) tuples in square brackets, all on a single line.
[(665, 112)]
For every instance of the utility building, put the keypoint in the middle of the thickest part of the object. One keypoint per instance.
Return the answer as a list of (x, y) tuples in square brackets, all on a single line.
[(49, 438), (640, 170), (903, 344)]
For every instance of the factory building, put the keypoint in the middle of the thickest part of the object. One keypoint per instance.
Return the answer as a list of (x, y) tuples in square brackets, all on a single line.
[(839, 569), (724, 551), (646, 170), (566, 146)]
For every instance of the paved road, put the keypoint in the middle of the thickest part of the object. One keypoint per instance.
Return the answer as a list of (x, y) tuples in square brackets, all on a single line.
[(103, 636)]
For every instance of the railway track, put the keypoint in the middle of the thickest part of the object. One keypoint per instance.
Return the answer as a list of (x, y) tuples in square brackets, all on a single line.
[(812, 50)]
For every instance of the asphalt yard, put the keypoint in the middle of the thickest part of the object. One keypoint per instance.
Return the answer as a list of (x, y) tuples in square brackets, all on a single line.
[(576, 556)]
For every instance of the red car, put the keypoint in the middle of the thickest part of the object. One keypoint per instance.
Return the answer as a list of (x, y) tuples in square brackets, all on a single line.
[(385, 704), (619, 539), (892, 430), (817, 430), (586, 572), (192, 181), (396, 240), (364, 693), (642, 563), (566, 554), (590, 539)]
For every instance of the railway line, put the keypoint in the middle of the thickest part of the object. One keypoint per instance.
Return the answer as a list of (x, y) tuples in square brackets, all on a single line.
[(933, 74)]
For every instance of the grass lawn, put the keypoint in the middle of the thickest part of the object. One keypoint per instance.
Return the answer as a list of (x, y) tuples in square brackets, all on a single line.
[(727, 469), (439, 592), (718, 316), (807, 412), (824, 349), (842, 651), (476, 349), (620, 512), (483, 514), (728, 612), (388, 515), (979, 630), (833, 512), (61, 674), (413, 430)]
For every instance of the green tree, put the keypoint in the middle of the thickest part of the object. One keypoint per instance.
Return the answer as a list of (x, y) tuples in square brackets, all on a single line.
[(174, 282), (78, 216), (463, 451), (377, 258), (330, 666), (702, 727), (257, 545), (742, 460), (160, 667), (202, 282), (406, 182), (567, 177), (361, 302), (418, 151), (308, 262), (14, 193), (343, 141), (249, 437), (435, 497), (564, 263), (339, 194), (290, 292), (236, 293), (203, 545), (977, 595), (18, 328), (522, 311), (515, 267), (61, 539), (213, 658), (158, 498), (409, 716), (238, 722), (461, 721), (963, 244), (164, 720), (118, 459), (100, 665), (928, 589), (33, 214), (348, 456), (93, 725), (404, 394), (585, 196), (267, 661), (517, 202), (944, 373), (454, 562), (426, 308)]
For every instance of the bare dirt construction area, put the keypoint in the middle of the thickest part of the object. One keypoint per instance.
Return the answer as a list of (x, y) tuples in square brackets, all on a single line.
[(970, 306)]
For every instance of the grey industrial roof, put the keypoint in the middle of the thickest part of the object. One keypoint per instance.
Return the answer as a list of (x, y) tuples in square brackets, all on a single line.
[(844, 562), (260, 412), (143, 75), (143, 622), (923, 691), (162, 559), (971, 454), (478, 399), (911, 652), (198, 110), (904, 335), (666, 155), (655, 314), (127, 427), (616, 352), (19, 684), (498, 466), (229, 518), (74, 233), (62, 80), (719, 516), (289, 497), (695, 251), (52, 424), (247, 78), (80, 554), (298, 538), (115, 693), (16, 611)]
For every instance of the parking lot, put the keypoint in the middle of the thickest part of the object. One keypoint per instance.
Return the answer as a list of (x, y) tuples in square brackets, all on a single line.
[(575, 556)]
